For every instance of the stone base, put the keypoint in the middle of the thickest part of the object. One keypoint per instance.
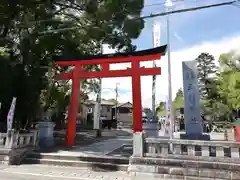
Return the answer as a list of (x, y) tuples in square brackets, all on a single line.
[(138, 144), (203, 137), (191, 168), (46, 142)]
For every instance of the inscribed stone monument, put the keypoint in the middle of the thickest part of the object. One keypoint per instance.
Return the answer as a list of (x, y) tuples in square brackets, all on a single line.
[(192, 117)]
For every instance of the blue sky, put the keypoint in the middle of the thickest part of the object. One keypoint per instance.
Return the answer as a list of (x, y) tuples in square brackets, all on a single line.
[(213, 30), (191, 28)]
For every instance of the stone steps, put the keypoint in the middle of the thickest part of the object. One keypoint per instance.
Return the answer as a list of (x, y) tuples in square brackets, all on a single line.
[(186, 168), (4, 156), (100, 163)]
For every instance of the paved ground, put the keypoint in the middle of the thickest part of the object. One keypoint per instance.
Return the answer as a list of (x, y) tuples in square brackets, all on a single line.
[(43, 172), (125, 150), (99, 148)]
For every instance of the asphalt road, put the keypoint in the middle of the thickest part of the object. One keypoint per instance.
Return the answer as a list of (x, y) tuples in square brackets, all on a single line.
[(44, 172)]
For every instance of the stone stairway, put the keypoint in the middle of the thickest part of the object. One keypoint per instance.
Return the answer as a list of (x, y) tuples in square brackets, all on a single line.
[(101, 155), (100, 163)]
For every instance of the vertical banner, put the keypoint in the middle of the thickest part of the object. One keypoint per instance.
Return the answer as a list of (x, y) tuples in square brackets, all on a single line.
[(11, 114), (167, 124), (156, 43), (156, 34)]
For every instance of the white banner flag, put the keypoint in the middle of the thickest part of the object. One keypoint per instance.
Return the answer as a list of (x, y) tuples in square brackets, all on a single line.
[(11, 114), (167, 124), (156, 34)]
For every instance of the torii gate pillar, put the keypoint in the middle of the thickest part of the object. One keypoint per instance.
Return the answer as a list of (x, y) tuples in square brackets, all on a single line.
[(73, 108)]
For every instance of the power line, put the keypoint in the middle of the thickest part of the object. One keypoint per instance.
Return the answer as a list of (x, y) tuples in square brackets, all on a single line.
[(187, 10), (153, 15)]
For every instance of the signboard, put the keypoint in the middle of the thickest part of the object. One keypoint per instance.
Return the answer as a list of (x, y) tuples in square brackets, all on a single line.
[(11, 114), (192, 117)]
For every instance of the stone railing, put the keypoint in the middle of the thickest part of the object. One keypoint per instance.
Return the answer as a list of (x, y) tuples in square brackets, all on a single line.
[(181, 159), (15, 140), (14, 146), (155, 147)]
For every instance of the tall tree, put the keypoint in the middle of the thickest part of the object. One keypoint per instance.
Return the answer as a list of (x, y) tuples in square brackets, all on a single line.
[(206, 68), (32, 32), (229, 81)]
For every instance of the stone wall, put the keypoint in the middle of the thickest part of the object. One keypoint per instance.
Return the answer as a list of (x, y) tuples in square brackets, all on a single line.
[(185, 159)]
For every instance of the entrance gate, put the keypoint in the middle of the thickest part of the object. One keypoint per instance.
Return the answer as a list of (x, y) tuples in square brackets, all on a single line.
[(104, 61)]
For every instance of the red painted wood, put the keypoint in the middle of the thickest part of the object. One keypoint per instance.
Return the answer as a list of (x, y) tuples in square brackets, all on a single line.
[(106, 67), (113, 73), (73, 109), (110, 60), (64, 76), (136, 97)]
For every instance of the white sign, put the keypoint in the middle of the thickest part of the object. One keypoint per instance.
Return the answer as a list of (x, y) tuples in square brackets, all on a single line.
[(156, 35), (11, 114), (167, 125)]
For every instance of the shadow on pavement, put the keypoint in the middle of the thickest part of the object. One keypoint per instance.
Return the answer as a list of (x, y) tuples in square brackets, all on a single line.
[(86, 152)]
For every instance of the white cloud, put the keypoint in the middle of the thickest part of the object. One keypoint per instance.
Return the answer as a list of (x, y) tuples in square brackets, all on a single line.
[(215, 48)]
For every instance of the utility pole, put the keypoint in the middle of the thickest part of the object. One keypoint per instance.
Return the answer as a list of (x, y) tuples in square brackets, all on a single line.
[(156, 42), (116, 99), (97, 108), (170, 117)]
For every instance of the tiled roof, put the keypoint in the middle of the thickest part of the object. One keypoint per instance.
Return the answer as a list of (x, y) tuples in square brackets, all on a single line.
[(127, 104), (103, 102)]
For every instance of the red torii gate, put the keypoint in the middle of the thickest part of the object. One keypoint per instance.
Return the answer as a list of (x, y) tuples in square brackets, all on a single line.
[(105, 60)]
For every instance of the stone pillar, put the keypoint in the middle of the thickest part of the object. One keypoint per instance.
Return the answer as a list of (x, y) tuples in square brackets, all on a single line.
[(10, 139), (35, 137), (138, 144), (192, 117)]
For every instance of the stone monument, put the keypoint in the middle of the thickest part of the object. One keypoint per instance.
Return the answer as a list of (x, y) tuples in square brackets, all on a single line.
[(192, 116), (46, 129)]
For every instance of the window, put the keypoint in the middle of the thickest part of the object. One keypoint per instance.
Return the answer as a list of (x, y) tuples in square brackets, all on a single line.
[(90, 110)]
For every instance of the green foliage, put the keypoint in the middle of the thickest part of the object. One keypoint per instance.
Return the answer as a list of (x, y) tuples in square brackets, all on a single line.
[(179, 100), (220, 94), (206, 69), (161, 110), (32, 32), (229, 80), (177, 103)]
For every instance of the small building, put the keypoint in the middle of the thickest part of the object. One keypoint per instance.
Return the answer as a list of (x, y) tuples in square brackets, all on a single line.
[(124, 114), (105, 112)]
